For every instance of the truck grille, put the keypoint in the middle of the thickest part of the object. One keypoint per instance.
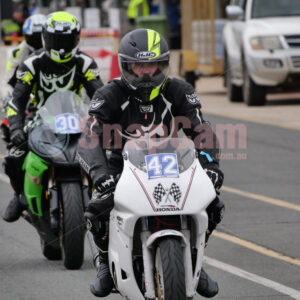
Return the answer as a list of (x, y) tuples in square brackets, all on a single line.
[(296, 61), (293, 40)]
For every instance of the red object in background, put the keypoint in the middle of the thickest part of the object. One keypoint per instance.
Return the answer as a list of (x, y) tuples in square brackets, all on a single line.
[(5, 122), (114, 68), (103, 53)]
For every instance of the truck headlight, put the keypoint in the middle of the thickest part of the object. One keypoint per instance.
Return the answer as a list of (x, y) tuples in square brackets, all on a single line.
[(273, 63), (265, 43)]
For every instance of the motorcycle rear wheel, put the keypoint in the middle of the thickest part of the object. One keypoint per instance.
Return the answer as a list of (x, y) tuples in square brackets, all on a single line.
[(72, 230), (169, 270)]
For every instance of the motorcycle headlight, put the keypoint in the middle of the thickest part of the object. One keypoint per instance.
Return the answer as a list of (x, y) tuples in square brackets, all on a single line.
[(265, 43)]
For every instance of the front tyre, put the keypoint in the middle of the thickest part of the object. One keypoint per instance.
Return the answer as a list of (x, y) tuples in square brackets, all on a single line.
[(234, 92), (253, 94), (72, 225), (169, 270)]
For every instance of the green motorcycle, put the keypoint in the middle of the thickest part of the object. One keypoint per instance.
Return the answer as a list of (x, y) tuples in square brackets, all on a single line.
[(55, 190)]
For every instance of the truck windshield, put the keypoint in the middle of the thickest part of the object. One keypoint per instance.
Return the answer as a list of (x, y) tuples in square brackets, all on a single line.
[(275, 8)]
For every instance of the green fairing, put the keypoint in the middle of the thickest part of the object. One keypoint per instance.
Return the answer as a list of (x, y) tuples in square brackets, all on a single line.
[(34, 167)]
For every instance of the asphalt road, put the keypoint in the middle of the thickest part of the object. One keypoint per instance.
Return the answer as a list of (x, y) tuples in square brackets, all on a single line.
[(254, 253)]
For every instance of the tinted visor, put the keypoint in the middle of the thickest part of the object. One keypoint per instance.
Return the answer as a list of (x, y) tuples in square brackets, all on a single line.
[(34, 40), (61, 41)]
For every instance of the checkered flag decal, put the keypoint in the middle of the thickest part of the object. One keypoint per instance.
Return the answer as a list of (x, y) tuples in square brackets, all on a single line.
[(175, 192), (158, 193)]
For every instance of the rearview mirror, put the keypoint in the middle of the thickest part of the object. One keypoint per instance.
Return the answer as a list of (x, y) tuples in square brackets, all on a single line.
[(234, 12)]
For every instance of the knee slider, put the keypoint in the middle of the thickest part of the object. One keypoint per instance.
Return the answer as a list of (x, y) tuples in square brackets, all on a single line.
[(94, 225), (99, 229), (12, 166), (101, 205)]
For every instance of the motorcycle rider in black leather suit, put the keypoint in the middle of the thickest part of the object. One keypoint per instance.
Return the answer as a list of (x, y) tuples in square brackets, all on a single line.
[(59, 66), (144, 99)]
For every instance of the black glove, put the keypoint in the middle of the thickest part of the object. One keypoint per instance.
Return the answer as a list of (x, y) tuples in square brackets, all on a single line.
[(18, 137), (5, 135), (105, 184), (215, 175)]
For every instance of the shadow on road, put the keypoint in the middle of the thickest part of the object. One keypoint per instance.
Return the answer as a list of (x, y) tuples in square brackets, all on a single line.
[(283, 101)]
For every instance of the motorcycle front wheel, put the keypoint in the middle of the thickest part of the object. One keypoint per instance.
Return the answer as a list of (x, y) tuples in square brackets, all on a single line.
[(72, 229), (169, 270)]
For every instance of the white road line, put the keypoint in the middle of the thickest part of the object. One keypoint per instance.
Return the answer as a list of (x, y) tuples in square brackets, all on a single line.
[(262, 198), (285, 290), (251, 120), (257, 248), (4, 178)]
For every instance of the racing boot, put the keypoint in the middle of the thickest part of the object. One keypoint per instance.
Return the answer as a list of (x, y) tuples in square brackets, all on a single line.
[(13, 210), (206, 286), (103, 283)]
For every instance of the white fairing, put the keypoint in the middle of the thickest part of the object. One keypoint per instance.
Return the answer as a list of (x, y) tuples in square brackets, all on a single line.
[(134, 198)]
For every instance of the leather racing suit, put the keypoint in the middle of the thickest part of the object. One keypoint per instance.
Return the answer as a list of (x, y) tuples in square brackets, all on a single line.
[(116, 108), (41, 76)]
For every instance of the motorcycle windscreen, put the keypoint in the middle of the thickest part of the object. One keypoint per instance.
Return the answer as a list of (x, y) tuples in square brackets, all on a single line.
[(167, 157), (58, 120), (46, 143)]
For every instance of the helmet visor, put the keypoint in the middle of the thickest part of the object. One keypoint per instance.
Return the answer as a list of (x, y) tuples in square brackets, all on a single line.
[(134, 71), (57, 42), (34, 40)]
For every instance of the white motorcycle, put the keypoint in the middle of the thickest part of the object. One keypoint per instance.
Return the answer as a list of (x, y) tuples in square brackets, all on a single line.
[(158, 224)]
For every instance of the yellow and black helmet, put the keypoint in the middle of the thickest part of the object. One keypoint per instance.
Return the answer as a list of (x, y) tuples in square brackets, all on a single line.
[(61, 35), (144, 46)]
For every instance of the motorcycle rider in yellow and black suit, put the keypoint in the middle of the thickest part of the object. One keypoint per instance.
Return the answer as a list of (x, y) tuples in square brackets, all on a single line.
[(59, 66), (143, 96)]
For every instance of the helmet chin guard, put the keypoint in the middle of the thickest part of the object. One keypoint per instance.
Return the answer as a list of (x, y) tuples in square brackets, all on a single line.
[(144, 88)]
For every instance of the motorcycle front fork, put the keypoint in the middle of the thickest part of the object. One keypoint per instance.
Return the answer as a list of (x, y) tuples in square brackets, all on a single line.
[(53, 195), (147, 260)]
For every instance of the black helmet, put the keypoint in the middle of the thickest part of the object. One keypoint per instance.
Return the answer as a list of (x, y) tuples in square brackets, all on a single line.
[(144, 46), (61, 35), (32, 31)]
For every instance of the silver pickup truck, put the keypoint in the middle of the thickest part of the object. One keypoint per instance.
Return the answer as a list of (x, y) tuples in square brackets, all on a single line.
[(261, 48)]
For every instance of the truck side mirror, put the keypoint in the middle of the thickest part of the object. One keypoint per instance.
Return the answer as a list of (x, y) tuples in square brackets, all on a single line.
[(234, 12)]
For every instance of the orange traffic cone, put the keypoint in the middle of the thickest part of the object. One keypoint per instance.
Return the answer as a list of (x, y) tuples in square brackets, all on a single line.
[(114, 67)]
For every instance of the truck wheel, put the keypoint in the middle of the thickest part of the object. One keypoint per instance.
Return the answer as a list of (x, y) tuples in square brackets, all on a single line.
[(254, 95), (234, 92)]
